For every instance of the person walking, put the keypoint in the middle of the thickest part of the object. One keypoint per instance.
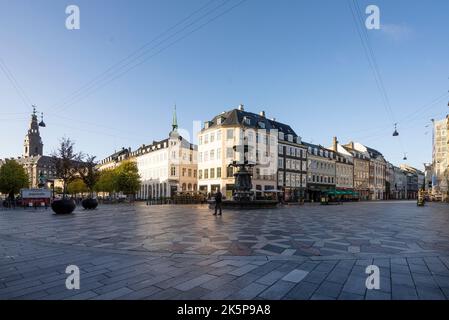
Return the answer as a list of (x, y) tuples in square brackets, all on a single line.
[(218, 199)]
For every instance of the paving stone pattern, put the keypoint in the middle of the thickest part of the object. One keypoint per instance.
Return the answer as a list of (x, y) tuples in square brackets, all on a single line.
[(184, 252)]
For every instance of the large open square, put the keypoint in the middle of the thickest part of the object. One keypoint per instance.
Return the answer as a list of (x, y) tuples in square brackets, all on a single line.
[(184, 252)]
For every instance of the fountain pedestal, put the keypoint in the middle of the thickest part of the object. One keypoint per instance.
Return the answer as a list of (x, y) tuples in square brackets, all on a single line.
[(243, 197)]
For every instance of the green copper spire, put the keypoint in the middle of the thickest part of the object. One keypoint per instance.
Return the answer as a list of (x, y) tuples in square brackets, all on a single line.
[(175, 120)]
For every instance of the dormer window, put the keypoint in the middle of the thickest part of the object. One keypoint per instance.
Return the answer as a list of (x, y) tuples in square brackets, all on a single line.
[(247, 121), (290, 137), (262, 125), (281, 136), (219, 120)]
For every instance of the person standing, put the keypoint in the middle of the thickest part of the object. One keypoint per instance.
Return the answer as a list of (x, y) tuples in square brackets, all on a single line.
[(218, 199)]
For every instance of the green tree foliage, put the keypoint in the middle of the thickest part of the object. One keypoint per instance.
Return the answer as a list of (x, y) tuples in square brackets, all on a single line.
[(77, 186), (89, 174), (106, 182), (13, 177), (127, 179)]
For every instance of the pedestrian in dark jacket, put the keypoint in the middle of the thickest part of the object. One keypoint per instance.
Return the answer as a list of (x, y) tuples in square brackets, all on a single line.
[(218, 199)]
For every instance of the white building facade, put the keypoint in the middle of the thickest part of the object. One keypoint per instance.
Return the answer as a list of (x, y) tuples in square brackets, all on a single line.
[(167, 167), (440, 160), (220, 143)]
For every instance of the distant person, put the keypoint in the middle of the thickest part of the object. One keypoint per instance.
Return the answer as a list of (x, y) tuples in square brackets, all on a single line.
[(218, 199)]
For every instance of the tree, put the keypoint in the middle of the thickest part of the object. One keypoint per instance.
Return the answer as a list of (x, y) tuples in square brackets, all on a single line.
[(127, 178), (13, 177), (89, 174), (77, 186), (66, 163), (106, 182)]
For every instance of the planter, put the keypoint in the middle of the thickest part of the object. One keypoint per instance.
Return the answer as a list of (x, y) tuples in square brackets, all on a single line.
[(89, 204), (63, 206)]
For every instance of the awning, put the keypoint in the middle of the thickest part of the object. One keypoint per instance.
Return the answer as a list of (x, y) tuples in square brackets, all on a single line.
[(341, 193)]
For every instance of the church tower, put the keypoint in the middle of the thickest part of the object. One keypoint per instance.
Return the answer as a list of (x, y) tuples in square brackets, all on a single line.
[(33, 145)]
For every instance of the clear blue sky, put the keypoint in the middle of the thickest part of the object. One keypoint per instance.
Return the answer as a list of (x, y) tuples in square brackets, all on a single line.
[(300, 61)]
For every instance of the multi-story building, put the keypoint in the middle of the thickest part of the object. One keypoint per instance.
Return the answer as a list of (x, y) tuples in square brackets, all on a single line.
[(399, 185), (389, 181), (377, 174), (292, 167), (221, 139), (361, 170), (377, 168), (440, 160), (115, 159), (167, 167), (414, 178), (321, 171), (428, 170), (344, 171)]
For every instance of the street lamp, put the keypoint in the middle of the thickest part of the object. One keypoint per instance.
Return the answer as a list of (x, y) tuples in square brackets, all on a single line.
[(395, 133)]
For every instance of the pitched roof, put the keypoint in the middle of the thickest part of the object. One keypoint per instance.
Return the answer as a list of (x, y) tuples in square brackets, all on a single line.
[(237, 117)]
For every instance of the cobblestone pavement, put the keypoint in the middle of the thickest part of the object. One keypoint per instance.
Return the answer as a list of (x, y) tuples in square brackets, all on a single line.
[(183, 252)]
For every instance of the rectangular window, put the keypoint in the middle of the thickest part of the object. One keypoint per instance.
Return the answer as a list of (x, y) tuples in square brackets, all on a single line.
[(212, 155), (219, 135), (212, 173), (280, 179), (206, 139), (229, 172), (218, 173), (200, 174), (194, 173), (206, 174), (212, 137), (229, 152), (218, 154), (230, 134), (281, 149), (281, 163), (190, 172), (281, 136)]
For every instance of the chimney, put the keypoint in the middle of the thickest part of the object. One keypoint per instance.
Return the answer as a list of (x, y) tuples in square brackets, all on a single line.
[(262, 114), (351, 144), (273, 119), (241, 107), (335, 144)]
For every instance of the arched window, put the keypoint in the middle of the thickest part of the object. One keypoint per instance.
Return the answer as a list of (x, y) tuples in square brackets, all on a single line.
[(190, 187), (183, 187), (194, 187)]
